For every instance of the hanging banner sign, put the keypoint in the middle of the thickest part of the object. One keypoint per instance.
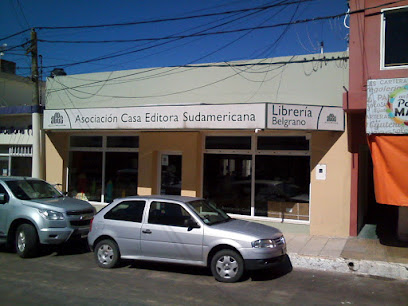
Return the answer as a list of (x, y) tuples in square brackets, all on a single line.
[(305, 117), (228, 116), (387, 106)]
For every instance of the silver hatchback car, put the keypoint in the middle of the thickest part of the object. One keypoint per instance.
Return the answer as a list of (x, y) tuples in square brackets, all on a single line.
[(184, 230)]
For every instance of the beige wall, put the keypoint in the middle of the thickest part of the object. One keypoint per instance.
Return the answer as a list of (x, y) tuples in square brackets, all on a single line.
[(330, 200), (305, 83), (56, 158), (186, 143)]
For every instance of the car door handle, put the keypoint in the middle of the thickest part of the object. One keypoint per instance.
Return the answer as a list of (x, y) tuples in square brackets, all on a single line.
[(147, 231)]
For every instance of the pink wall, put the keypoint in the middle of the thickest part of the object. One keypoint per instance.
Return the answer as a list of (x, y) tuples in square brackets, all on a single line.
[(365, 55), (365, 44)]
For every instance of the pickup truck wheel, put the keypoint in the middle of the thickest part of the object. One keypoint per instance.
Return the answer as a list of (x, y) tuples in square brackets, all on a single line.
[(227, 266), (107, 254), (26, 241)]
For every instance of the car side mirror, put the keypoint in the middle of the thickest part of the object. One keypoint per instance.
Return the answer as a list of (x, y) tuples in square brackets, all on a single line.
[(191, 223), (3, 198)]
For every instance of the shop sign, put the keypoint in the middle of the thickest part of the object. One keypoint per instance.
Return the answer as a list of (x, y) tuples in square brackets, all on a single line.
[(229, 116), (387, 106), (305, 117)]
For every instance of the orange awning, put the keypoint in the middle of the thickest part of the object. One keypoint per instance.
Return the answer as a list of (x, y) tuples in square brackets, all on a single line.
[(390, 161)]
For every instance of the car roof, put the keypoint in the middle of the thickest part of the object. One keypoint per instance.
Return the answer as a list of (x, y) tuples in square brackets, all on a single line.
[(163, 197), (17, 178)]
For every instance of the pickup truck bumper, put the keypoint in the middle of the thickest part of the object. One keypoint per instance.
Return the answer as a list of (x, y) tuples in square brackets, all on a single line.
[(61, 235)]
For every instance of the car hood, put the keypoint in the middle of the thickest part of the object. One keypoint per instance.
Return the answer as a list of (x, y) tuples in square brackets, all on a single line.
[(254, 229), (65, 203)]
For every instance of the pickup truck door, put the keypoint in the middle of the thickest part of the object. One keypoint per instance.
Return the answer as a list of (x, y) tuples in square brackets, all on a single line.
[(167, 235), (4, 207)]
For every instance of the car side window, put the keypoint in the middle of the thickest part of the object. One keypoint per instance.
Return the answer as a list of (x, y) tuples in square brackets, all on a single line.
[(5, 196), (127, 211), (168, 214)]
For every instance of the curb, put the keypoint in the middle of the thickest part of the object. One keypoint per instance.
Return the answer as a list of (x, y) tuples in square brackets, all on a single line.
[(351, 266)]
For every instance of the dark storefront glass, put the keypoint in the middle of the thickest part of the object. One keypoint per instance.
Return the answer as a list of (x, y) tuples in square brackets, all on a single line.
[(120, 175), (85, 175), (171, 174), (227, 181), (283, 143), (21, 166), (122, 141), (86, 141), (282, 186), (228, 142)]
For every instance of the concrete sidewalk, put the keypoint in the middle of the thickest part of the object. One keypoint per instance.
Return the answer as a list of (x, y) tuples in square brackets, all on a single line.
[(347, 255)]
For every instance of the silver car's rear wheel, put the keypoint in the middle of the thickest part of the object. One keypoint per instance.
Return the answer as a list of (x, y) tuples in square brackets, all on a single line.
[(227, 266), (107, 254)]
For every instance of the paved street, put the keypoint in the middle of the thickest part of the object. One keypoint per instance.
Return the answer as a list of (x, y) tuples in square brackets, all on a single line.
[(69, 275)]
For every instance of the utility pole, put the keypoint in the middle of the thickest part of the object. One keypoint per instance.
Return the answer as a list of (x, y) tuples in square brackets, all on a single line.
[(37, 161)]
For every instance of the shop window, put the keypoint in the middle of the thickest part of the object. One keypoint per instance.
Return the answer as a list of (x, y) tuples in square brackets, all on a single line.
[(4, 165), (227, 181), (395, 37), (282, 186), (21, 166), (86, 141), (15, 160), (4, 149), (170, 176), (102, 168), (120, 175), (123, 142), (228, 142), (85, 175), (283, 143)]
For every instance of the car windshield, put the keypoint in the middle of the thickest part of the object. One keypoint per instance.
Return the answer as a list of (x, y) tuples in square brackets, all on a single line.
[(209, 212), (32, 189)]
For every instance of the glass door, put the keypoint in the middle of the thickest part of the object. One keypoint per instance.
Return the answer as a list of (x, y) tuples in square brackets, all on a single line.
[(170, 173), (4, 166)]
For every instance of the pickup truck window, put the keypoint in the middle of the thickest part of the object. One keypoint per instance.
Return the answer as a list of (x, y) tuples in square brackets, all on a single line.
[(127, 211), (33, 189), (5, 197)]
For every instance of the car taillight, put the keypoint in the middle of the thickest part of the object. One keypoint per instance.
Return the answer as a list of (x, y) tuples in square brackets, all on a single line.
[(90, 225)]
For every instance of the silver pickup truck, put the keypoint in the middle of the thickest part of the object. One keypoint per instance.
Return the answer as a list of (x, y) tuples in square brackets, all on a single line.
[(33, 212)]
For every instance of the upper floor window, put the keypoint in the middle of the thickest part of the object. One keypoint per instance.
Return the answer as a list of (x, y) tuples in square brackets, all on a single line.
[(395, 38)]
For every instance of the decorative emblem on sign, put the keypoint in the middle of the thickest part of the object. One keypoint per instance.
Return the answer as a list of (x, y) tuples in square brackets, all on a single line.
[(57, 119), (397, 105), (331, 118)]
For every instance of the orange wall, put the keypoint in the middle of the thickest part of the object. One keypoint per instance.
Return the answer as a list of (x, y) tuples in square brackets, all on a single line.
[(186, 143)]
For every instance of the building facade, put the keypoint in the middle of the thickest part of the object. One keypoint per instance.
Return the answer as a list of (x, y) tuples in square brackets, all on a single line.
[(266, 139), (376, 105), (16, 122)]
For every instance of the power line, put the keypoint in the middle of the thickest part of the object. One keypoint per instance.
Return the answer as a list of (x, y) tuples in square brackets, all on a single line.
[(174, 38), (15, 34), (174, 18), (214, 65), (296, 22)]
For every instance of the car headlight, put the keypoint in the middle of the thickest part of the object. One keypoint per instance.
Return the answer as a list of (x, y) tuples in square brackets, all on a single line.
[(51, 214), (263, 243)]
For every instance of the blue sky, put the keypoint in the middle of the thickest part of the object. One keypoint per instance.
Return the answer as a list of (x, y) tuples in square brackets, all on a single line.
[(305, 38)]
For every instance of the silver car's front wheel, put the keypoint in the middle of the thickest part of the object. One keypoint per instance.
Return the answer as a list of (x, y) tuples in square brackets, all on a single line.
[(26, 241), (227, 266), (107, 254)]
